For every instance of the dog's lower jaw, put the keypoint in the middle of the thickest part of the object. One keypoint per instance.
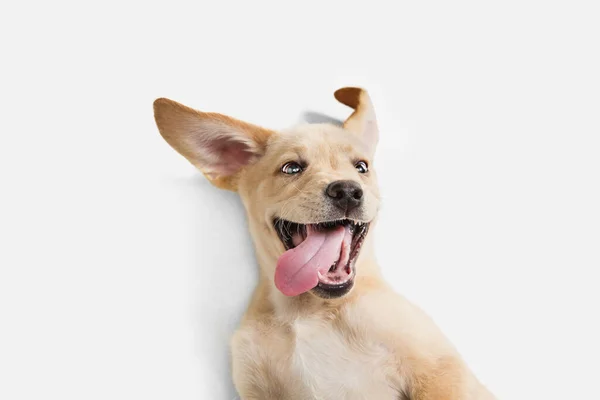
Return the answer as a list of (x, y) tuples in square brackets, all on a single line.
[(326, 291)]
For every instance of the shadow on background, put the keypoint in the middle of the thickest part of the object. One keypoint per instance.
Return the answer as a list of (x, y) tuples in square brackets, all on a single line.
[(222, 277), (313, 117)]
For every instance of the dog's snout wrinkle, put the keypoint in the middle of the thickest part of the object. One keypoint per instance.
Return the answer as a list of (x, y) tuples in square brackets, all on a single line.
[(346, 195)]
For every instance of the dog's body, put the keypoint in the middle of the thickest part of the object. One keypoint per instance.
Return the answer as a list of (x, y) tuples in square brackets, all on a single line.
[(322, 323)]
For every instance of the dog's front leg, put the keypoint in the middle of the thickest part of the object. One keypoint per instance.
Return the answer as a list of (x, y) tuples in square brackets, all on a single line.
[(444, 378), (259, 367), (428, 366), (258, 382), (256, 386), (257, 393), (270, 391)]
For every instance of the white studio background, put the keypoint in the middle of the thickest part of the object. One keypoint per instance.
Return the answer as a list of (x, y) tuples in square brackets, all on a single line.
[(123, 272)]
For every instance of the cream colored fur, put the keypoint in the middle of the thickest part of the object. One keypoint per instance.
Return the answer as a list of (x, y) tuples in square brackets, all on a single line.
[(369, 344)]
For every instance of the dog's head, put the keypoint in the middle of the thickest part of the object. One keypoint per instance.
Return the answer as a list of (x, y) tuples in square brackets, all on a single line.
[(310, 193)]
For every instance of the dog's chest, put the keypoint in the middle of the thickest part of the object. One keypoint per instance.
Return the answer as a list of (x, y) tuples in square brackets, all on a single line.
[(338, 365)]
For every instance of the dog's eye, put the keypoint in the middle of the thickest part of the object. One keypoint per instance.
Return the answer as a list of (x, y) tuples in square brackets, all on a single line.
[(291, 168), (362, 167)]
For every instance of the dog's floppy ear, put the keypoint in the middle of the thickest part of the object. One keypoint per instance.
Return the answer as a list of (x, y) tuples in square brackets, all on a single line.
[(218, 145), (362, 121)]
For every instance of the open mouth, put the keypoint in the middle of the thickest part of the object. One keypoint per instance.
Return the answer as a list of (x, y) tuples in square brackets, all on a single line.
[(318, 257)]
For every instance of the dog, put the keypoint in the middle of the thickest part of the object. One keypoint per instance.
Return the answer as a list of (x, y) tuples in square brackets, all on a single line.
[(322, 323)]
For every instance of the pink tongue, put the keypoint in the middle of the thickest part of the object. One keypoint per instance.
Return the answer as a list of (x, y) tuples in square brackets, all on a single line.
[(297, 268)]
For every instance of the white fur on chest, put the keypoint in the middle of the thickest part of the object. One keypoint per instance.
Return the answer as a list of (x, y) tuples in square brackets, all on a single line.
[(333, 366)]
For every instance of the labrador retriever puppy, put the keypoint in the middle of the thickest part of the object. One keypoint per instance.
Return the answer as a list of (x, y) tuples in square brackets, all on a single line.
[(322, 323)]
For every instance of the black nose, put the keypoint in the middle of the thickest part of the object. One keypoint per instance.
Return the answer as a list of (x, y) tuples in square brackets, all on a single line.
[(346, 195)]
